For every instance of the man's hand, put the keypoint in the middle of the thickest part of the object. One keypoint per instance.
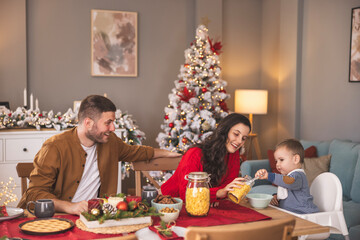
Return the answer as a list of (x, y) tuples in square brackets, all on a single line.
[(158, 153), (70, 207)]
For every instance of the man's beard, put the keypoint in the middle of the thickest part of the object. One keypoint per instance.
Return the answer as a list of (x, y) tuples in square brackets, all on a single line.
[(93, 136)]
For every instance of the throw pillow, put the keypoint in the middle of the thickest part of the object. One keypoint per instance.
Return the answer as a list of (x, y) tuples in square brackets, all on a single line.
[(310, 152), (315, 166)]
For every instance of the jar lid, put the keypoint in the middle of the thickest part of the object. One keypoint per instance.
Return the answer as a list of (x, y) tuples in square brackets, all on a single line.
[(198, 175)]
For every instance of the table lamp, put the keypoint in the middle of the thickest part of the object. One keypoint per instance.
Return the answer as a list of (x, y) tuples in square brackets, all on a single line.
[(249, 101)]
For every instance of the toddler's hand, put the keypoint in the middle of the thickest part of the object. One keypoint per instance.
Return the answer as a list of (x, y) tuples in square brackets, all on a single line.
[(262, 174), (274, 201)]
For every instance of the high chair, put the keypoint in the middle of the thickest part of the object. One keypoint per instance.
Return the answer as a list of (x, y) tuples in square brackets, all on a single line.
[(327, 192)]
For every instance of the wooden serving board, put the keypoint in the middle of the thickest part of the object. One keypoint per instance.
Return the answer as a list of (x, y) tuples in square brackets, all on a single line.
[(114, 223)]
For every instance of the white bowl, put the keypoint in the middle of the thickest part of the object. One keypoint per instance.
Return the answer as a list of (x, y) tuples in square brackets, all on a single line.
[(168, 217), (259, 200), (159, 206)]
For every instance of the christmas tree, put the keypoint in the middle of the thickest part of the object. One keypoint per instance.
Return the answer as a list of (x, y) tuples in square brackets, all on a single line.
[(197, 103)]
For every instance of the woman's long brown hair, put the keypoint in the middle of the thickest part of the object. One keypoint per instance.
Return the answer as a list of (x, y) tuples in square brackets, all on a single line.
[(214, 147)]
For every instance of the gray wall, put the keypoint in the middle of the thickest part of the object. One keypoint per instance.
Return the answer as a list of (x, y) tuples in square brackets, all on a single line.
[(12, 51), (298, 50), (329, 103)]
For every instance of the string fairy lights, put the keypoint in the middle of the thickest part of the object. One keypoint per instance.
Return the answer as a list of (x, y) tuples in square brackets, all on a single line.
[(6, 192)]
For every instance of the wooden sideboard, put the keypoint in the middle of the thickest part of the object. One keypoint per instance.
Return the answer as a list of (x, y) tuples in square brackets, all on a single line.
[(21, 146)]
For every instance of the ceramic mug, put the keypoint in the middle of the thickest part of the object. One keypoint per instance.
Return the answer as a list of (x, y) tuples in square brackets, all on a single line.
[(44, 208), (149, 193)]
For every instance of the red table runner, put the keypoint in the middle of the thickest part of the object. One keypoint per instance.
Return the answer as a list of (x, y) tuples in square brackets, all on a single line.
[(227, 213)]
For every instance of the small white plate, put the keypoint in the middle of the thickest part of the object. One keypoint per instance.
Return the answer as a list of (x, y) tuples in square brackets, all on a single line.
[(13, 213), (147, 234)]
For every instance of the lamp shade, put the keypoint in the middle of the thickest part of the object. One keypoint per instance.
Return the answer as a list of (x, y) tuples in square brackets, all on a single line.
[(251, 101)]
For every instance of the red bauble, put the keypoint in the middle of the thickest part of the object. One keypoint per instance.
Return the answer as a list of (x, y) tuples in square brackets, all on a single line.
[(185, 140), (204, 90), (184, 123), (201, 107), (166, 117), (194, 72), (171, 125), (123, 206)]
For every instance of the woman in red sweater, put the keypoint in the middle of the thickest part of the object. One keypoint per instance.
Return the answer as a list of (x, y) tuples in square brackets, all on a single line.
[(218, 155)]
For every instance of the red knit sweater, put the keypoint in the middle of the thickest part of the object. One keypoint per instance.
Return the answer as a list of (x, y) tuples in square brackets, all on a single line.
[(191, 162)]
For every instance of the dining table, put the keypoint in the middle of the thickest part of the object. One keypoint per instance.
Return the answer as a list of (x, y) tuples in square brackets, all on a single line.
[(230, 213)]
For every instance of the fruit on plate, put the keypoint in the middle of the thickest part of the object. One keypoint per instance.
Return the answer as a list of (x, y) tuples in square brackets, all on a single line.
[(3, 212), (123, 206)]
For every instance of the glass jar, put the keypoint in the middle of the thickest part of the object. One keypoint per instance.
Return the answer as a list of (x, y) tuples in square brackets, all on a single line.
[(197, 197), (238, 194)]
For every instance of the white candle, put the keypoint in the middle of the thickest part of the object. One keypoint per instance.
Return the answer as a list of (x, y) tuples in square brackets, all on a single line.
[(31, 102), (25, 97), (36, 104)]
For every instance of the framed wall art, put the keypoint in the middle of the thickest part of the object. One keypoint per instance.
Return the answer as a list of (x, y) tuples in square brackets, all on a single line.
[(113, 43), (354, 71)]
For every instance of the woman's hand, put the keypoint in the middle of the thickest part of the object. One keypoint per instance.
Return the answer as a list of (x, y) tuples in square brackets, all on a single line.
[(262, 174), (221, 193)]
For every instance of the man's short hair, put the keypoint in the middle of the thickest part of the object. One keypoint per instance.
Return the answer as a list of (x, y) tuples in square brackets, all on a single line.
[(93, 106), (294, 146)]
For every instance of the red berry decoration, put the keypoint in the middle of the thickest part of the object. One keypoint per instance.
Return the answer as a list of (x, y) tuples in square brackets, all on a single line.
[(166, 117), (185, 140), (184, 123), (171, 125), (204, 90)]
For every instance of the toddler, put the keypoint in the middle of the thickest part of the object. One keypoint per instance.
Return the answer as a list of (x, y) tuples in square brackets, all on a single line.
[(293, 188)]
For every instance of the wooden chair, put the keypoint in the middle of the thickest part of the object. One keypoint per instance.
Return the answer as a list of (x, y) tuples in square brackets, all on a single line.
[(280, 229), (158, 164), (23, 171)]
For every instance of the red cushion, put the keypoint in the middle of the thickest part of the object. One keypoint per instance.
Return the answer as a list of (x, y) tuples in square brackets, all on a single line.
[(310, 152)]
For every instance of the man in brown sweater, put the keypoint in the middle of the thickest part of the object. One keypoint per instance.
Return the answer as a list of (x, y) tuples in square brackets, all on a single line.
[(82, 163)]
